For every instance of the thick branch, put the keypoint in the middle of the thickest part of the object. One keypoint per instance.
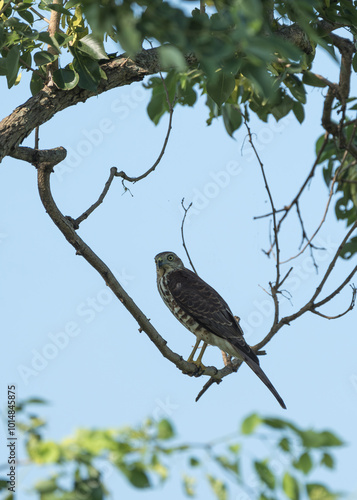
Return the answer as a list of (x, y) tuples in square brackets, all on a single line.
[(49, 101), (36, 156)]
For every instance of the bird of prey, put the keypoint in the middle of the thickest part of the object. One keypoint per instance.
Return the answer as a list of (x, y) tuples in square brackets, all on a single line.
[(205, 313)]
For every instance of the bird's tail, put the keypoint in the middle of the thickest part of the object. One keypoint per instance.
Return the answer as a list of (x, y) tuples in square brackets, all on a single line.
[(259, 372)]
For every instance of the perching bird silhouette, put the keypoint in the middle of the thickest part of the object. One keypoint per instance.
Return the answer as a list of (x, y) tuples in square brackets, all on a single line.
[(204, 313)]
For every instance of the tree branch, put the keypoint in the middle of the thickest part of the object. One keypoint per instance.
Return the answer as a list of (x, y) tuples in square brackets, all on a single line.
[(76, 222), (67, 229), (51, 100), (182, 232), (36, 156)]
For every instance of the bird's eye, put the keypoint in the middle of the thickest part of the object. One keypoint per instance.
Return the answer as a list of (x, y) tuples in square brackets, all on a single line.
[(170, 257)]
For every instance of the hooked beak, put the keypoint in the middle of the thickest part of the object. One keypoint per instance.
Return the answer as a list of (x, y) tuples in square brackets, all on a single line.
[(159, 263)]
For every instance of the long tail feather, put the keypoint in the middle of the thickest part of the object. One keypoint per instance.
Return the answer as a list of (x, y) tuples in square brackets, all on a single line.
[(259, 372)]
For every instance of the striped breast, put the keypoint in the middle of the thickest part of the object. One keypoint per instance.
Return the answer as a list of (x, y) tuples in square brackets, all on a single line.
[(176, 310)]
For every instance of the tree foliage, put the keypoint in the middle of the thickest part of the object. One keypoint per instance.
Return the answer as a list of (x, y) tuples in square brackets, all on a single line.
[(285, 462), (240, 56)]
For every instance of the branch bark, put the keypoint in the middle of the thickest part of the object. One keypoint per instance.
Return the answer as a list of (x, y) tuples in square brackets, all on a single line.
[(43, 106)]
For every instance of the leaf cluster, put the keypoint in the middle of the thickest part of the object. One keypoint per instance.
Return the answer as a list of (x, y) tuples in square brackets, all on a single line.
[(145, 456)]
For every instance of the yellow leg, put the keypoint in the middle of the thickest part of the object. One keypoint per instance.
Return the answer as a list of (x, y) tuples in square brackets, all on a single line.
[(198, 361), (190, 358)]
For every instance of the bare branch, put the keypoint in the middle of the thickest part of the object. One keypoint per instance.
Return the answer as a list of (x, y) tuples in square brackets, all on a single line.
[(295, 200), (123, 175), (182, 233), (39, 15), (350, 307), (334, 180), (311, 305), (275, 288), (86, 214)]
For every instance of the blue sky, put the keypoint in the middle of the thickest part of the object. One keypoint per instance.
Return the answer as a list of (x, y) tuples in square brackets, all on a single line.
[(109, 374)]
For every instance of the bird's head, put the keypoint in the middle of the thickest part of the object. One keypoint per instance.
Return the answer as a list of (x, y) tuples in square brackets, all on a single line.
[(166, 262)]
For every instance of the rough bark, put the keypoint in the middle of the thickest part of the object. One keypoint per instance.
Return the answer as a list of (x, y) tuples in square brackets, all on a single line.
[(49, 101)]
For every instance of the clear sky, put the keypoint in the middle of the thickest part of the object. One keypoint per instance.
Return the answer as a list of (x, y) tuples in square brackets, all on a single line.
[(109, 374)]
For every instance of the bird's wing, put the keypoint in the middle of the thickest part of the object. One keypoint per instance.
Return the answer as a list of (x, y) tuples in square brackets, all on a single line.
[(208, 308)]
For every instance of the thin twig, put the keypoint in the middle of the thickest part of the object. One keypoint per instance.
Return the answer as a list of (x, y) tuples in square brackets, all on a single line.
[(171, 106), (39, 15), (86, 214), (350, 307), (24, 63), (310, 304), (295, 200), (274, 288), (4, 7), (182, 232), (334, 180)]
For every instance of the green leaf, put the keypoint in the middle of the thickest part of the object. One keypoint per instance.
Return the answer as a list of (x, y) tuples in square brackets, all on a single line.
[(65, 79), (165, 429), (156, 107), (88, 71), (3, 484), (25, 14), (44, 452), (12, 65), (265, 474), (194, 462), (44, 57), (219, 487), (46, 486), (36, 84), (129, 36), (284, 444), (311, 79), (58, 8), (189, 484), (220, 86), (138, 477), (317, 491), (327, 460), (299, 112), (304, 463), (276, 423), (232, 117), (171, 57), (290, 487), (93, 47), (349, 249), (312, 439), (250, 423)]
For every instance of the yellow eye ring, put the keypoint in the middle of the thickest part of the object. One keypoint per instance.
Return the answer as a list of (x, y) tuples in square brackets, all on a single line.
[(170, 257)]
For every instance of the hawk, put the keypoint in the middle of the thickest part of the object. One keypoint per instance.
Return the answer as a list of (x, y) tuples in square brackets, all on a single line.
[(205, 313)]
